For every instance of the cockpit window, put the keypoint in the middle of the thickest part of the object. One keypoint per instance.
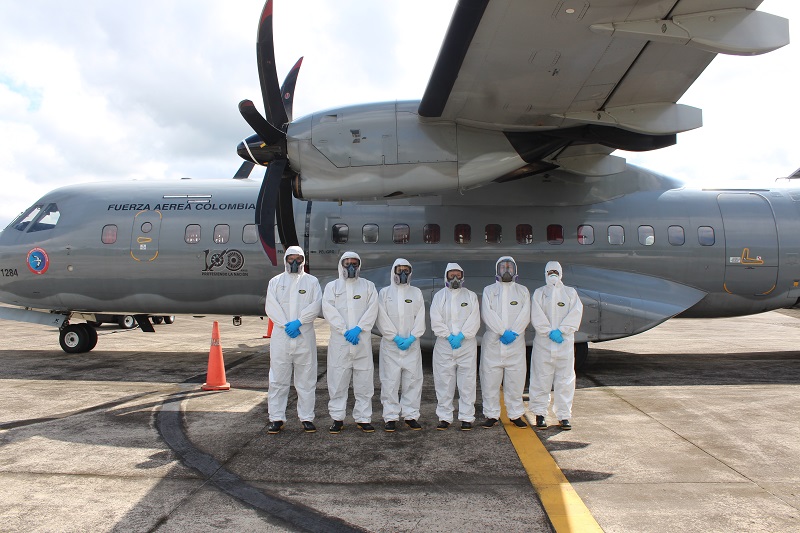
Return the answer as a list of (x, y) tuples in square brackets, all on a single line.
[(24, 220), (47, 219)]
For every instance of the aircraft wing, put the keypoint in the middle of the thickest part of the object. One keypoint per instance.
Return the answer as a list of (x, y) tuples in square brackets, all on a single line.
[(523, 65)]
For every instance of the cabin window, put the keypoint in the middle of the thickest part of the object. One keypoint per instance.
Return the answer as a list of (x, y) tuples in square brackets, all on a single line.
[(401, 233), (109, 235), (585, 234), (369, 233), (222, 233), (493, 234), (431, 234), (147, 227), (47, 219), (462, 234), (555, 234), (250, 234), (340, 233), (25, 219), (616, 235), (524, 234), (647, 236), (676, 236), (192, 234), (705, 236)]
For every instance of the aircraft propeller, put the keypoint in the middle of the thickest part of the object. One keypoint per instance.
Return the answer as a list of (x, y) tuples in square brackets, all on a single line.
[(268, 146)]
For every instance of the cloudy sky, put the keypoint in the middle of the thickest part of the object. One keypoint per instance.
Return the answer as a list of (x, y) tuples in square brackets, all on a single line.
[(106, 90)]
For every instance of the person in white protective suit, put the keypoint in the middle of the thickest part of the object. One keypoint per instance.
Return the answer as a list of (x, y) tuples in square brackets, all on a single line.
[(455, 320), (401, 322), (294, 299), (350, 305), (556, 312), (505, 310)]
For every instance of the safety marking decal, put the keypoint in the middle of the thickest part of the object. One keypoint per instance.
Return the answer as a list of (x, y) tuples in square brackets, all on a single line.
[(38, 261)]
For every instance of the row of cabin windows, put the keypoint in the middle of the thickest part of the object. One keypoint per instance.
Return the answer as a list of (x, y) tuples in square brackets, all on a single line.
[(493, 234), (191, 235)]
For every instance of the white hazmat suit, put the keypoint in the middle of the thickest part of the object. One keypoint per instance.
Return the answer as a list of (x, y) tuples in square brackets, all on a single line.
[(554, 307), (454, 311), (401, 313), (505, 306), (293, 296), (347, 303)]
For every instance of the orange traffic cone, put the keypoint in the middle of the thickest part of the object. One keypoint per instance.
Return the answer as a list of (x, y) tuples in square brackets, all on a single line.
[(215, 378), (269, 329)]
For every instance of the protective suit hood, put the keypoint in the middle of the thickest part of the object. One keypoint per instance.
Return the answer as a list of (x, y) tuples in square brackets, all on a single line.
[(394, 279), (554, 265), (502, 259), (294, 250), (343, 271), (453, 266)]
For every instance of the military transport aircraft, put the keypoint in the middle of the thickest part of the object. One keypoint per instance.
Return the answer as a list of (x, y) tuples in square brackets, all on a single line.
[(509, 151)]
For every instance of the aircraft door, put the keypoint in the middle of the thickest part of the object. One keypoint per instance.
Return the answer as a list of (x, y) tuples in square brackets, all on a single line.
[(751, 244), (144, 235)]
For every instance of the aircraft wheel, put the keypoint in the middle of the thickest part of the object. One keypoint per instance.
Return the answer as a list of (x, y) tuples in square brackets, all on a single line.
[(92, 336), (157, 319), (581, 354), (127, 322), (169, 319), (74, 338)]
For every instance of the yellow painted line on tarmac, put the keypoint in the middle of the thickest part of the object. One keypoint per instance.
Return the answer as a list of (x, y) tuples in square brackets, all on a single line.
[(563, 506)]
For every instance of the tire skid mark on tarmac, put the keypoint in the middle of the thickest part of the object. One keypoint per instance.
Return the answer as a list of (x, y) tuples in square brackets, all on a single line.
[(170, 423)]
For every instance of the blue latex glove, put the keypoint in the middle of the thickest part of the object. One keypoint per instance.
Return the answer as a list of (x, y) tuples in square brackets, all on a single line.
[(292, 328), (556, 336), (450, 339), (352, 335), (398, 340), (508, 337), (457, 340), (407, 342)]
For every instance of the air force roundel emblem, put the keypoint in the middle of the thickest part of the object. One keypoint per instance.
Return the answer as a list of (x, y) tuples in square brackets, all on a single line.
[(38, 262)]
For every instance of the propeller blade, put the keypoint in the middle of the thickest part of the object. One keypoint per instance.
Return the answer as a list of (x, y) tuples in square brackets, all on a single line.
[(287, 89), (267, 72), (244, 170), (268, 133), (287, 232), (265, 208)]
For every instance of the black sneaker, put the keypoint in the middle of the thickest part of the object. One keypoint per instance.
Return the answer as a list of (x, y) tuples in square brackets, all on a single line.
[(564, 424), (541, 423), (275, 427), (443, 424), (366, 427), (309, 427), (336, 427), (413, 424), (466, 426), (489, 423), (390, 426), (519, 422)]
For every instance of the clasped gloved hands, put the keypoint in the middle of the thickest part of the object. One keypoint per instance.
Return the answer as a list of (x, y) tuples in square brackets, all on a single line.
[(556, 336), (352, 335), (292, 328), (404, 343), (455, 340), (508, 337)]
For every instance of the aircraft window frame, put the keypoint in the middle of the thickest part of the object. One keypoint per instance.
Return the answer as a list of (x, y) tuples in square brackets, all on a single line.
[(585, 237), (464, 236), (431, 234), (647, 235), (555, 234), (340, 233), (250, 234), (673, 235), (493, 234), (109, 235), (524, 234), (618, 237), (24, 220), (147, 227), (401, 233), (222, 233), (47, 219), (370, 233), (704, 239), (192, 234)]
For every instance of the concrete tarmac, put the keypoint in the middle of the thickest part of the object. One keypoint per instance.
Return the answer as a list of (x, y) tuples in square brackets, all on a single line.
[(692, 426)]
